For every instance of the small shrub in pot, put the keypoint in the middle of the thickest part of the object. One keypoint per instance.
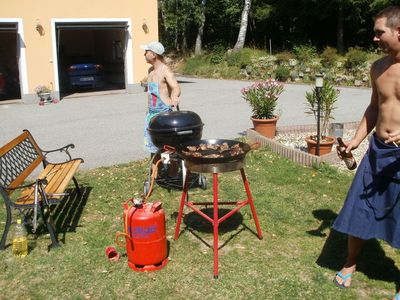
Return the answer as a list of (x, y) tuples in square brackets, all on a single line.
[(328, 98)]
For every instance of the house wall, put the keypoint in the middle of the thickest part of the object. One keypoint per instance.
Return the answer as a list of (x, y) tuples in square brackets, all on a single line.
[(39, 45)]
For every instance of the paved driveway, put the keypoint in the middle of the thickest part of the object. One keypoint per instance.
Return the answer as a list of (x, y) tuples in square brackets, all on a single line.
[(108, 129)]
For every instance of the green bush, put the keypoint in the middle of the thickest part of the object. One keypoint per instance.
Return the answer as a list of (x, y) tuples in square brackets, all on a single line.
[(282, 73), (305, 53), (256, 64), (283, 57), (240, 58), (355, 57), (230, 72), (208, 71), (329, 57), (217, 54), (193, 64)]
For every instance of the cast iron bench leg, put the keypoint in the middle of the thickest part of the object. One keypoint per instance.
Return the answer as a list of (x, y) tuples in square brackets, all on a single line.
[(50, 226), (6, 229), (78, 190)]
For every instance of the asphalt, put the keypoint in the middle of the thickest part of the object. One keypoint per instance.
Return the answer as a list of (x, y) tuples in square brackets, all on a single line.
[(107, 128)]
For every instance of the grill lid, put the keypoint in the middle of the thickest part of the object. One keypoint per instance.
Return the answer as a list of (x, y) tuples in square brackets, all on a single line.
[(175, 121)]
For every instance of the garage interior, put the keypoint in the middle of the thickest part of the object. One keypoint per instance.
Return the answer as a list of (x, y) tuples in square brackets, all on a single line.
[(9, 54), (102, 44)]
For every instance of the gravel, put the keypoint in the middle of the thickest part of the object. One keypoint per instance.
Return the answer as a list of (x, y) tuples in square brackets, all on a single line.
[(296, 141)]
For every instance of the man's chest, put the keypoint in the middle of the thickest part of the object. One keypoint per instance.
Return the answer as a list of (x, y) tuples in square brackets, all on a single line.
[(156, 76), (388, 84)]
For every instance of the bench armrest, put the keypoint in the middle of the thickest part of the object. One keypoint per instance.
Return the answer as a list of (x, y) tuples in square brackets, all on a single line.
[(40, 181), (19, 187), (62, 149)]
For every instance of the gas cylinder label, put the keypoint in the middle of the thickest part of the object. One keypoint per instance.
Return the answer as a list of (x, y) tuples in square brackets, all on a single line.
[(142, 232)]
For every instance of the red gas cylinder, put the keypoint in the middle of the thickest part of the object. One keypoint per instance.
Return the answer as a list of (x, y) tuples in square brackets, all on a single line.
[(146, 243)]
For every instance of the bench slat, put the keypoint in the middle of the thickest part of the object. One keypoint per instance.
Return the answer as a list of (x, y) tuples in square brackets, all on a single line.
[(58, 177), (62, 177)]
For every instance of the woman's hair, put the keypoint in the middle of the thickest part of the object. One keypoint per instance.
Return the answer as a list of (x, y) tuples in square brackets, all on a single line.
[(392, 15)]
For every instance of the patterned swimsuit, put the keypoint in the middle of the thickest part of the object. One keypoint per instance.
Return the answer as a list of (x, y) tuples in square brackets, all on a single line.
[(155, 106)]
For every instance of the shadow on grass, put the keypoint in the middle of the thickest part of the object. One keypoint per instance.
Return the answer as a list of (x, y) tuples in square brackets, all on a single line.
[(372, 260), (195, 224), (67, 213)]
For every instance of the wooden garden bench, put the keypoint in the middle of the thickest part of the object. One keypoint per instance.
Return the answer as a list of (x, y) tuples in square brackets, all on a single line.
[(18, 159)]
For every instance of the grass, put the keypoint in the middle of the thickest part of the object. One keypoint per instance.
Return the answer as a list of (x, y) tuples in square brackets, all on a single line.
[(295, 260)]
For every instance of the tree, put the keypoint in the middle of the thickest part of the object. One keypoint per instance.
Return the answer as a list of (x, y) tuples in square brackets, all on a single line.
[(286, 23), (243, 26), (180, 21), (356, 11), (339, 30), (199, 38)]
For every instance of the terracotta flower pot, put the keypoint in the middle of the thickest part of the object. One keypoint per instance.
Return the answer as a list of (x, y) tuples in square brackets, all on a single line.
[(325, 145), (265, 127)]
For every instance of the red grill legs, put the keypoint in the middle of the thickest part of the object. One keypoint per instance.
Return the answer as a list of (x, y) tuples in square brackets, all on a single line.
[(215, 221)]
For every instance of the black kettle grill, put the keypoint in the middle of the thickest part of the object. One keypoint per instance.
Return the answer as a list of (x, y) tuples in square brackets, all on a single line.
[(174, 128)]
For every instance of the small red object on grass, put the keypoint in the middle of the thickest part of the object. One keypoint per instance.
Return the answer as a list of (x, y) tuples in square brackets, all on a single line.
[(112, 254)]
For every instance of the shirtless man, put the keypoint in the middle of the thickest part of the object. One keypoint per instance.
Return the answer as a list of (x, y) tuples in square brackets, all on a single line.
[(371, 209), (162, 88)]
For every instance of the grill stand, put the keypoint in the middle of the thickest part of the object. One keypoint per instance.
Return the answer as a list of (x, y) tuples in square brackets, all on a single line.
[(215, 221), (175, 182)]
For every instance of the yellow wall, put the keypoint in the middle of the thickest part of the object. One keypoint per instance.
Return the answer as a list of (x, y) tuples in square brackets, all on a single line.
[(39, 51)]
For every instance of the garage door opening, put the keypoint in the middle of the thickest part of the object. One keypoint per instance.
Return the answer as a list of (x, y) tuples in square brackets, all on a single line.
[(91, 57), (9, 53)]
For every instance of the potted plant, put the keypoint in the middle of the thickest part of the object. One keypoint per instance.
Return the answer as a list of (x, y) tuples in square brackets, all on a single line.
[(262, 97), (43, 92), (328, 97)]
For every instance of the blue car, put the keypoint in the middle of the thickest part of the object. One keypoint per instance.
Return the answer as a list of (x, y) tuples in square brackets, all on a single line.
[(86, 75)]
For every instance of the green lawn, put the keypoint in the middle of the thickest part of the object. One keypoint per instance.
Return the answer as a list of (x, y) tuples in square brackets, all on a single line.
[(296, 259)]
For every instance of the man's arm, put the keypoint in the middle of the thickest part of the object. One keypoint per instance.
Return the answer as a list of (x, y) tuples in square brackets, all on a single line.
[(173, 86), (368, 122)]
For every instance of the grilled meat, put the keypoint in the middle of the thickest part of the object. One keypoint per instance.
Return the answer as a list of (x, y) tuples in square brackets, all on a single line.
[(213, 150)]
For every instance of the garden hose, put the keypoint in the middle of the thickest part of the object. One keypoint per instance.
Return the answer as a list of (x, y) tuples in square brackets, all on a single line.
[(125, 233)]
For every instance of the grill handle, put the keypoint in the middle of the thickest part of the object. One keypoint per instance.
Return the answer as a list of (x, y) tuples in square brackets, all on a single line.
[(184, 132), (255, 146), (169, 148), (177, 107)]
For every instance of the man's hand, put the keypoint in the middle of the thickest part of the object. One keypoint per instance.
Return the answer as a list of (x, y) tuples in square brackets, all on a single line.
[(350, 145), (175, 101), (394, 138)]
